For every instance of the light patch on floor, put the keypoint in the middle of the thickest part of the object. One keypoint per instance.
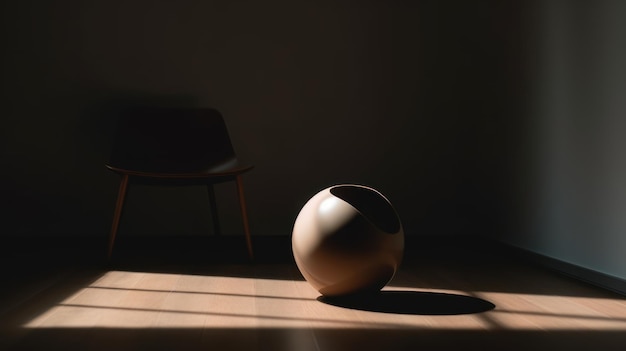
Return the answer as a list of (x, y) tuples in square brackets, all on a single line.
[(120, 299)]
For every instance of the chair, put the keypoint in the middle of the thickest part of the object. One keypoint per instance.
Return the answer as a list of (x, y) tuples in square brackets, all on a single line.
[(175, 146)]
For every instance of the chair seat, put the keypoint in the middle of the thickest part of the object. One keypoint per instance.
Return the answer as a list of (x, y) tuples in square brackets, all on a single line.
[(229, 170)]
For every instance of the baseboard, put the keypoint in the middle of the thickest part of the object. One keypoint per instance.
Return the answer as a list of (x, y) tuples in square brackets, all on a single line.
[(587, 275)]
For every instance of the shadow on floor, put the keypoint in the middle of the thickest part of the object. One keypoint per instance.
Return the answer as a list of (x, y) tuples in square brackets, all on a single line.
[(412, 302)]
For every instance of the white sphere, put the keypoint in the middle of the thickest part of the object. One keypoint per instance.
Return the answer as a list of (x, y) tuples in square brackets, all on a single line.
[(348, 239)]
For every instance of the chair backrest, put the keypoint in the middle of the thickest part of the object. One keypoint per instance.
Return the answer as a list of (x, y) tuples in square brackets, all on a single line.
[(171, 140)]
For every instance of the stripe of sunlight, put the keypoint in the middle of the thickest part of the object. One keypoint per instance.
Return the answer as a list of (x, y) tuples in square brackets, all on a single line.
[(140, 300), (553, 312), (213, 293), (61, 316), (289, 320)]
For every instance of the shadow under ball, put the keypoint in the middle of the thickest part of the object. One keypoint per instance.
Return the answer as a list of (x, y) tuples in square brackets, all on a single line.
[(348, 239)]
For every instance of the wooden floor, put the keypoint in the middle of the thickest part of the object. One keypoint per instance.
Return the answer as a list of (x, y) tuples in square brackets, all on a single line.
[(443, 298)]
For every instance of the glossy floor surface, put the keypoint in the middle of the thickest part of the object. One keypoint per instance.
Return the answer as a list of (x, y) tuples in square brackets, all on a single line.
[(445, 297)]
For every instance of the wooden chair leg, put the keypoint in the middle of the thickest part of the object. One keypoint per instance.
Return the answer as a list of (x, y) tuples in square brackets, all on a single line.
[(214, 215), (244, 215), (117, 215)]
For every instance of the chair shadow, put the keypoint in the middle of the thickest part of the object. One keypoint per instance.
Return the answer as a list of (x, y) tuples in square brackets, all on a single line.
[(411, 302)]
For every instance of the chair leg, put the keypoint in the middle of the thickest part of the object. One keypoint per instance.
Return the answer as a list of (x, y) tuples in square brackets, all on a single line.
[(214, 215), (117, 215), (244, 215)]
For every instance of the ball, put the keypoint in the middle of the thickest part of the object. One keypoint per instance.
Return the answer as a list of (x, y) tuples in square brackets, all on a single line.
[(348, 239)]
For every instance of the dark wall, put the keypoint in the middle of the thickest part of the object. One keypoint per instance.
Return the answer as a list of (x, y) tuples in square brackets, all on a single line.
[(410, 97), (569, 191)]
